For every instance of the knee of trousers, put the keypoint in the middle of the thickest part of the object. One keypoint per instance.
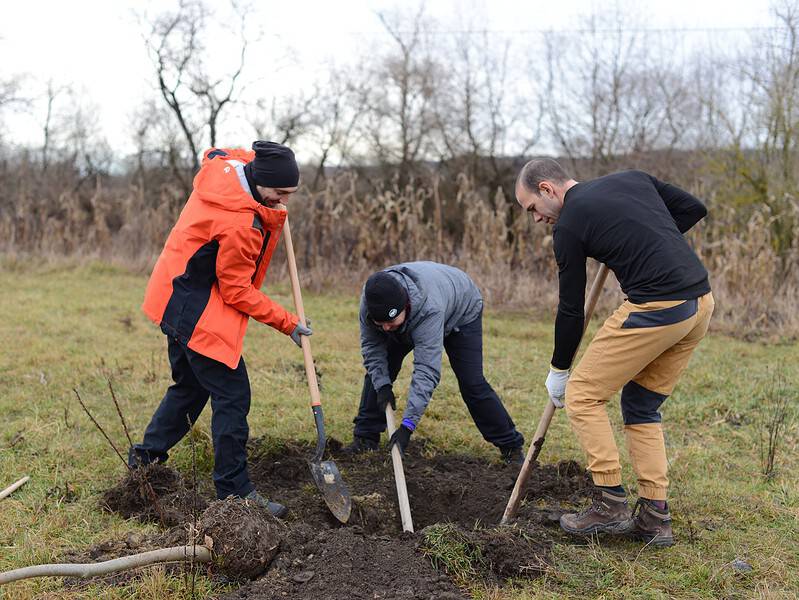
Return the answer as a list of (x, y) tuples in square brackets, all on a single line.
[(475, 389), (640, 405), (582, 397)]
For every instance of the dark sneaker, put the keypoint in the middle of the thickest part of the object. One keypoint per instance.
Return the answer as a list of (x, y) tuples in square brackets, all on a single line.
[(608, 513), (275, 508), (650, 524), (512, 455), (359, 445)]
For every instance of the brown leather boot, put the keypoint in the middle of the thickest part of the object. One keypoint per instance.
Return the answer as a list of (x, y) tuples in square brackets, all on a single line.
[(608, 513), (650, 524)]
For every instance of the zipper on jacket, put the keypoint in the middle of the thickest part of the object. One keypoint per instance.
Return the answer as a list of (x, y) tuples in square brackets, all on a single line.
[(267, 235)]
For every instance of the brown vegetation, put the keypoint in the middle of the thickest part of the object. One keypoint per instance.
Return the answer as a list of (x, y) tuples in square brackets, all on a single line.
[(429, 131), (348, 228)]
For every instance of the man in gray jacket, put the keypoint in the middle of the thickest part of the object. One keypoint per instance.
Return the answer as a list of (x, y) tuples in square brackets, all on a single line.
[(425, 307)]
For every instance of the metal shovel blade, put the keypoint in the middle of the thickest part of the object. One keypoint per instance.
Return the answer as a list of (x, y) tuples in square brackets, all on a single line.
[(328, 479)]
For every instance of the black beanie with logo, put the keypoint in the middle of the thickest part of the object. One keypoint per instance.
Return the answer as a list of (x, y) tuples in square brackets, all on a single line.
[(274, 165), (385, 297)]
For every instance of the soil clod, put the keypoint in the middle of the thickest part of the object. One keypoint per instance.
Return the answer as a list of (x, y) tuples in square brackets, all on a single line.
[(245, 538), (154, 493)]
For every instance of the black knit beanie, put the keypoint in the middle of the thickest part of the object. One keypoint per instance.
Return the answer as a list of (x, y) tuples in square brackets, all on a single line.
[(385, 297), (274, 165)]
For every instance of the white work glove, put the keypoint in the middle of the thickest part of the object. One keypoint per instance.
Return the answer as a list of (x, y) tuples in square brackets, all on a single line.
[(556, 385)]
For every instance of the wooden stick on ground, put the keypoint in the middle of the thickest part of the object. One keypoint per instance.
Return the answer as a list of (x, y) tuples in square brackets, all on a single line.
[(14, 486), (174, 554)]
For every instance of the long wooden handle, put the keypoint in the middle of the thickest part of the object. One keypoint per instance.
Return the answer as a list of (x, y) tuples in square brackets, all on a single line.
[(310, 372), (549, 410), (14, 486), (399, 475)]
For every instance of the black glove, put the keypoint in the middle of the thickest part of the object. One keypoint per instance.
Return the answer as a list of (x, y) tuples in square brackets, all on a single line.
[(401, 437), (385, 395)]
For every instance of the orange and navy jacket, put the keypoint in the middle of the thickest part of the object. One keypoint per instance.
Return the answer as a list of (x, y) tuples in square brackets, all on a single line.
[(206, 283)]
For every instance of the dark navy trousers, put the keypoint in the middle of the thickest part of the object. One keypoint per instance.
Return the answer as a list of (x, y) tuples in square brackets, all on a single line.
[(465, 351), (196, 378)]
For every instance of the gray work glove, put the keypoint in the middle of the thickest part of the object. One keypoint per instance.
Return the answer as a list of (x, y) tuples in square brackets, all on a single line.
[(556, 385), (299, 330)]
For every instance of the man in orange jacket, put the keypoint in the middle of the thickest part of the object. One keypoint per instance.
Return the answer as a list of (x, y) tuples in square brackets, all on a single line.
[(204, 288)]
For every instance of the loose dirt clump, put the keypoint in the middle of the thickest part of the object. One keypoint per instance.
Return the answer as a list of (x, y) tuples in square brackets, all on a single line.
[(133, 496), (344, 564), (244, 537)]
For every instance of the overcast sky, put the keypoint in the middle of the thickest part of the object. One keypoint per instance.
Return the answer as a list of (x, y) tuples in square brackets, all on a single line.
[(96, 45)]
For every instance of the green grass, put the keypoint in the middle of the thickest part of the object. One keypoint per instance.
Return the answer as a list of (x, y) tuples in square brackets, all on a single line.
[(66, 327)]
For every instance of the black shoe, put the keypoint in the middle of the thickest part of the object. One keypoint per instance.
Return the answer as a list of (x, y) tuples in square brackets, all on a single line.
[(275, 508), (512, 455), (140, 458), (360, 444)]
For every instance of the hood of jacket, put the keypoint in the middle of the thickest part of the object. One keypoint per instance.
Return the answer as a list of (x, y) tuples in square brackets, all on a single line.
[(221, 184)]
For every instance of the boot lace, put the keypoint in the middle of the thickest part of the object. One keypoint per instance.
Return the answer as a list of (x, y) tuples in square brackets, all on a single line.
[(596, 504)]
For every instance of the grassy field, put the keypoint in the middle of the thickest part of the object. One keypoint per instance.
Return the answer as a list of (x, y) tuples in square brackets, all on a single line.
[(65, 327)]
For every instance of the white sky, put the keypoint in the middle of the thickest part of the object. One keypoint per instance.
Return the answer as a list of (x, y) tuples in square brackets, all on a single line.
[(96, 45)]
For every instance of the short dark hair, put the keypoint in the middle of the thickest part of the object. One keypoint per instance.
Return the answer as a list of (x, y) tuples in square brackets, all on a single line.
[(541, 169)]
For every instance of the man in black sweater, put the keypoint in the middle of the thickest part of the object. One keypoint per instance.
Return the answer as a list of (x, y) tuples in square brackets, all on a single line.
[(634, 224)]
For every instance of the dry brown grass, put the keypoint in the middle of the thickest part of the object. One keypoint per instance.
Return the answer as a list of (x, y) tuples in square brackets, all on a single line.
[(349, 228)]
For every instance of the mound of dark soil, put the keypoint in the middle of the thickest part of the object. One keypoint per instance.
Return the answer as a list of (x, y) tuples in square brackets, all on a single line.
[(344, 564), (457, 488), (154, 493), (370, 557), (245, 538)]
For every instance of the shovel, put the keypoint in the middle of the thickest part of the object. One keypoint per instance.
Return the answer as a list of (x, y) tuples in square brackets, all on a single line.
[(549, 411), (325, 473)]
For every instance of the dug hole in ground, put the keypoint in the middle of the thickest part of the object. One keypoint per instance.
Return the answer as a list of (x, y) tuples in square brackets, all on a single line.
[(456, 500)]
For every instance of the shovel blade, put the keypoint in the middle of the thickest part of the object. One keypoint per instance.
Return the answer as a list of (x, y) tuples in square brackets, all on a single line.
[(328, 479)]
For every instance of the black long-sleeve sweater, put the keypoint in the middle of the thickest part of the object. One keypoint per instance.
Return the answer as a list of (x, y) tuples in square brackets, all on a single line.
[(633, 223)]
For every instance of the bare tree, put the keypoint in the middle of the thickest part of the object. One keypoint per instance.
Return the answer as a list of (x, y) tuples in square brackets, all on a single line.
[(398, 113), (282, 119), (11, 97), (52, 93), (335, 114), (195, 97)]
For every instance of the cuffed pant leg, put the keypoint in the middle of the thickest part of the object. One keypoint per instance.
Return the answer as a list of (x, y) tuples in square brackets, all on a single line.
[(184, 400), (648, 454), (465, 351), (585, 407)]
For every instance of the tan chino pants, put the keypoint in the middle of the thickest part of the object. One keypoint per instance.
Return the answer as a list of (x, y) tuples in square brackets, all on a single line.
[(641, 349)]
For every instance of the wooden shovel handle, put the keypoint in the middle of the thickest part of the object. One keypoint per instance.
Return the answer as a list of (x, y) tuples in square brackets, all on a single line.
[(310, 371), (399, 475), (549, 410)]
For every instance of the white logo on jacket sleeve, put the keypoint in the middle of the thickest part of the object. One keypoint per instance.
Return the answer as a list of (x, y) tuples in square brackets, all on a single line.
[(227, 169), (392, 313)]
